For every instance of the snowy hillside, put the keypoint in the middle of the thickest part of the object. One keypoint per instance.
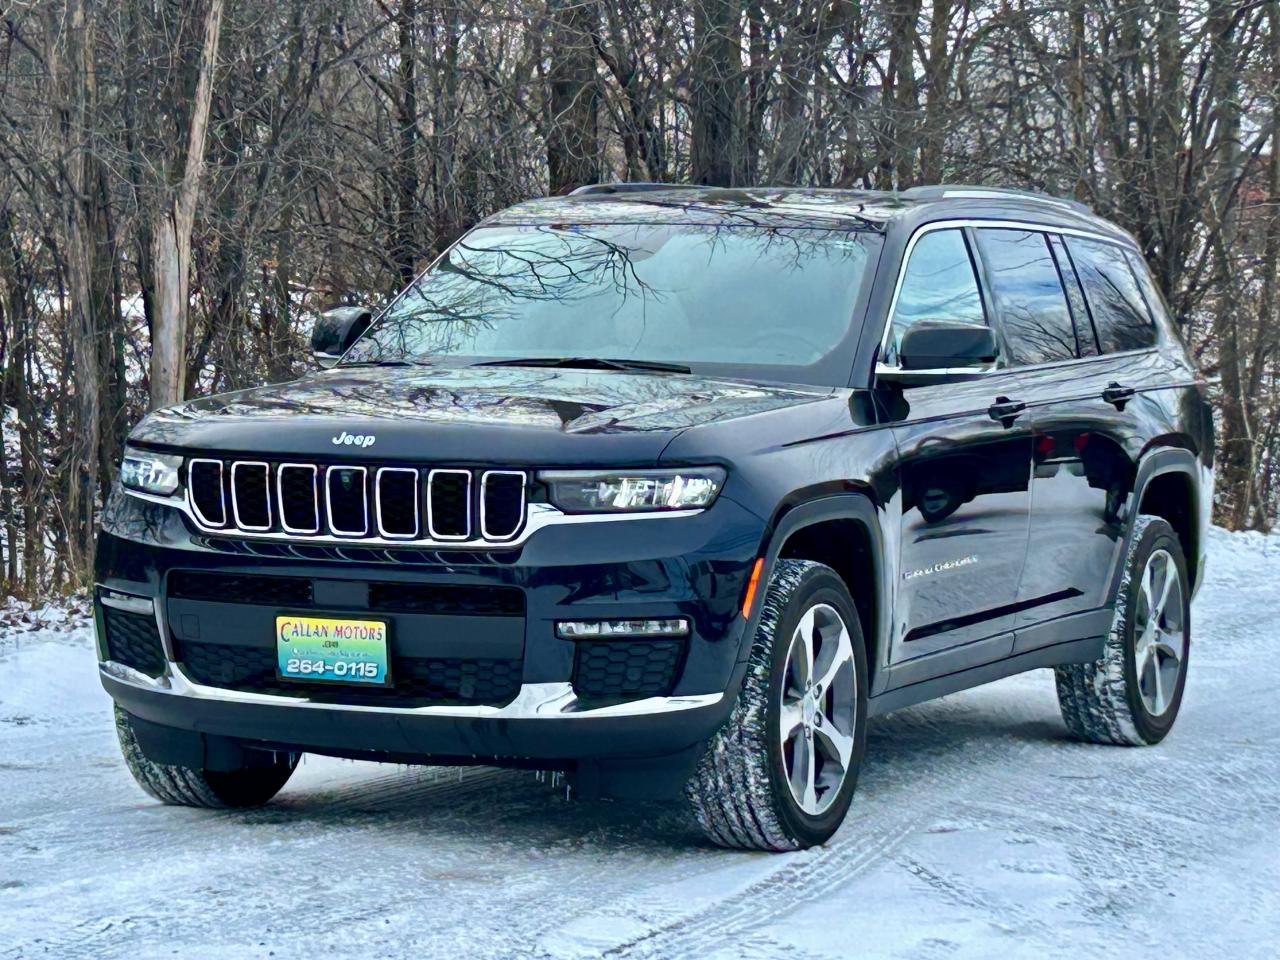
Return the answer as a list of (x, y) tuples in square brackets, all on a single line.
[(979, 830)]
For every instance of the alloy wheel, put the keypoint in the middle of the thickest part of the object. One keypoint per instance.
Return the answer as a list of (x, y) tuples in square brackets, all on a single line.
[(1160, 635), (819, 708)]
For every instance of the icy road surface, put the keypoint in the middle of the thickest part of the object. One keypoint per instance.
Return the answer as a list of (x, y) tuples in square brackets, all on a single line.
[(978, 831)]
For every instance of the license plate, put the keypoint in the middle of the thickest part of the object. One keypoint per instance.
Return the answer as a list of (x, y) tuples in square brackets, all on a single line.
[(332, 650)]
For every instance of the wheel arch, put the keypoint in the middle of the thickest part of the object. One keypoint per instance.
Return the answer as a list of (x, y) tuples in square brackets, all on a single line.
[(1167, 485), (842, 531)]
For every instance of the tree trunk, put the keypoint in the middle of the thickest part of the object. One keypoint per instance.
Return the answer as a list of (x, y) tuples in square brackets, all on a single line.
[(897, 138), (713, 99), (405, 243), (572, 140), (171, 232)]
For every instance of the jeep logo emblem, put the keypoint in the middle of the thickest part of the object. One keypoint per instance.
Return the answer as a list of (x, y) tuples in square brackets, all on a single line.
[(345, 439)]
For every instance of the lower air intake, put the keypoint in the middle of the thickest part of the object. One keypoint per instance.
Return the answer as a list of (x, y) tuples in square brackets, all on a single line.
[(133, 639), (626, 670)]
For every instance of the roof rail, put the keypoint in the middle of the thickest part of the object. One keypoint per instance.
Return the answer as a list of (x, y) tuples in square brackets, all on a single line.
[(595, 189), (946, 191)]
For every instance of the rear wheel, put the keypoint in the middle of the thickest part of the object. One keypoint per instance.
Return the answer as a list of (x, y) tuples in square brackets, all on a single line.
[(780, 774), (1132, 694), (184, 786)]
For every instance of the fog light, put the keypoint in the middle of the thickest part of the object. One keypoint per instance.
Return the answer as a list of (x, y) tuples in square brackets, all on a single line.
[(605, 629)]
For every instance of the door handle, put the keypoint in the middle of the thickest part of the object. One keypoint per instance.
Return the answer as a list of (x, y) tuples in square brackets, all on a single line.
[(1117, 395), (1006, 410)]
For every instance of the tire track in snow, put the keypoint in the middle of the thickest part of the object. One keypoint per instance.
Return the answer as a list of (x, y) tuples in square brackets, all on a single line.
[(953, 764)]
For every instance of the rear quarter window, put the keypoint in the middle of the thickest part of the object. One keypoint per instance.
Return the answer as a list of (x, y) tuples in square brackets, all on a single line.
[(1120, 313)]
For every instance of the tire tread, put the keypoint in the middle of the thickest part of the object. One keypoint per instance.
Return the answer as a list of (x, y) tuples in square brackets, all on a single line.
[(190, 787), (1093, 697), (730, 789)]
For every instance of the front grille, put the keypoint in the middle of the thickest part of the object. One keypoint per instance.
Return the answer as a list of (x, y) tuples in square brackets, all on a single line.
[(235, 588), (622, 669), (350, 502), (416, 681), (134, 640)]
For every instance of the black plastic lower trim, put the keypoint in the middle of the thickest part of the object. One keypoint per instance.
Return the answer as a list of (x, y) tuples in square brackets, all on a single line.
[(1074, 651)]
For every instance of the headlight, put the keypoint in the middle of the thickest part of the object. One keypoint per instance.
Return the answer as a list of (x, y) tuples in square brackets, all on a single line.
[(595, 491), (150, 472)]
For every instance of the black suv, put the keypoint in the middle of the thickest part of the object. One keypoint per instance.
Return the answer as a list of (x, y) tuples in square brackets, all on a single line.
[(672, 489)]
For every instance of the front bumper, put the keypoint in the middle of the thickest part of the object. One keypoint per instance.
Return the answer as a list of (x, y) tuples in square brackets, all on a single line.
[(694, 567), (544, 722)]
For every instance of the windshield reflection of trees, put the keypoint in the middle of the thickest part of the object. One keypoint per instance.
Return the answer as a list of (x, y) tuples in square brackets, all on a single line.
[(496, 278)]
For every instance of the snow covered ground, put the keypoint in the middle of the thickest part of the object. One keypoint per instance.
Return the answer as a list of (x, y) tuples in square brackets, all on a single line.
[(979, 830)]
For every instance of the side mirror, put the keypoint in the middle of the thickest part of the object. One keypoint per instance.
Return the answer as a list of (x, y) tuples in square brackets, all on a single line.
[(937, 351), (946, 344), (336, 330)]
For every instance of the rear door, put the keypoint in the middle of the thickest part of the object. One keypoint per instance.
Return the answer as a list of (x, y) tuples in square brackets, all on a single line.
[(964, 473), (1086, 342)]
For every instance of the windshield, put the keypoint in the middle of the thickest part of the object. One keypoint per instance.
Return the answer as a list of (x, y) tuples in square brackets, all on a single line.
[(710, 296)]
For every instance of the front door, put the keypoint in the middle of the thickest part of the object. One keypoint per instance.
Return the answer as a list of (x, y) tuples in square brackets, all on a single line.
[(964, 472)]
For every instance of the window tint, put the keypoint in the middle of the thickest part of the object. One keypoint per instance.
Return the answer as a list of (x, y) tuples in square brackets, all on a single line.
[(1119, 313), (1028, 294), (939, 285), (1150, 292), (1086, 340)]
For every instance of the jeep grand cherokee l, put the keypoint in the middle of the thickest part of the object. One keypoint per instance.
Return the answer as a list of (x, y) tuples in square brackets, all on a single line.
[(673, 489)]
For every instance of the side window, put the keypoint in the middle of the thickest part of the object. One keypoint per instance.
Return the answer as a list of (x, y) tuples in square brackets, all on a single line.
[(1030, 302), (1086, 339), (1150, 292), (1119, 312), (939, 284)]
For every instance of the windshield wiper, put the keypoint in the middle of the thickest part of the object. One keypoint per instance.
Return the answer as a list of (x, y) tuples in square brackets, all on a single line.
[(385, 363), (587, 363)]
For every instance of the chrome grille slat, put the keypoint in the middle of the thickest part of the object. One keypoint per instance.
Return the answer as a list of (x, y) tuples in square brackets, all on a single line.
[(251, 489), (436, 486), (282, 501), (330, 474), (384, 508), (391, 506), (507, 523), (200, 465)]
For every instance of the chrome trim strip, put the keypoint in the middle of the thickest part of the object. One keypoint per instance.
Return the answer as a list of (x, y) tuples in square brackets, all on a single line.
[(377, 502), (315, 496), (346, 535), (535, 701), (539, 515), (484, 485), (960, 224), (222, 493), (123, 601), (266, 492), (431, 526)]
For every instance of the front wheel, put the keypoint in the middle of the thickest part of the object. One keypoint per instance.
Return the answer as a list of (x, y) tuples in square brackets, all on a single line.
[(780, 774), (249, 786)]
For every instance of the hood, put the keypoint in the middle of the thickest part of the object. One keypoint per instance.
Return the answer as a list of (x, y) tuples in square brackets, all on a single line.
[(466, 414)]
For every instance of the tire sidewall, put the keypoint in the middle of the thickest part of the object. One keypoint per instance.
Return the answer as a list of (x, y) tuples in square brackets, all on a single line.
[(819, 585), (1156, 536)]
